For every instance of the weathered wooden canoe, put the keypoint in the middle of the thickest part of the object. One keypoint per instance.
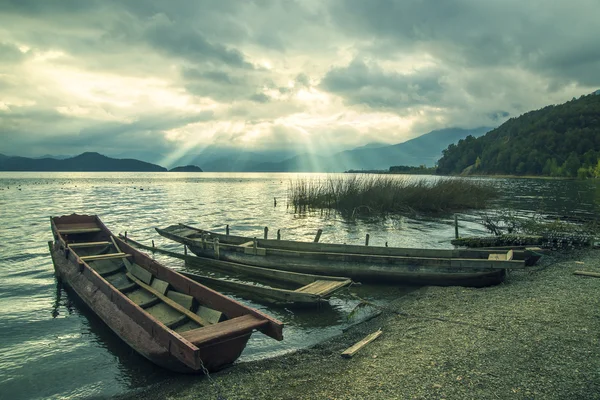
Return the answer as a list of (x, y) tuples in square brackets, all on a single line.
[(173, 321), (361, 263), (309, 289)]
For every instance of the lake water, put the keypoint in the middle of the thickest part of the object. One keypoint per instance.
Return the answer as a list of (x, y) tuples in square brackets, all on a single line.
[(53, 347)]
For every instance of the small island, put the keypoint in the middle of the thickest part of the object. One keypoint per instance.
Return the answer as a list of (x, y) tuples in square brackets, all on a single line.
[(186, 168)]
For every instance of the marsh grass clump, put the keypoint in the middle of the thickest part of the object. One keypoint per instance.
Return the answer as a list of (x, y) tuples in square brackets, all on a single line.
[(363, 194)]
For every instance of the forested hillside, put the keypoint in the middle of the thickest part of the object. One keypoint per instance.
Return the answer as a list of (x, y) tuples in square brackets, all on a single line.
[(561, 140)]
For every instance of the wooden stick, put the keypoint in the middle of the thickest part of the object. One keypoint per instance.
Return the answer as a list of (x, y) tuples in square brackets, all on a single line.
[(350, 351), (266, 232), (586, 273), (112, 239), (318, 236), (455, 226), (367, 239), (169, 302)]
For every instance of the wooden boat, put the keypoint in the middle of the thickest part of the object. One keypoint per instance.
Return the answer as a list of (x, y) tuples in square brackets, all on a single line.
[(309, 289), (173, 321), (361, 263)]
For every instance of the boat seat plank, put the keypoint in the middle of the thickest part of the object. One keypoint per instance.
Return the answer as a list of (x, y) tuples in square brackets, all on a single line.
[(106, 267), (73, 231), (231, 327), (315, 287), (141, 273), (332, 287), (142, 298), (187, 326), (120, 282), (247, 244), (169, 302), (507, 257), (208, 314), (104, 256), (165, 314), (182, 299), (178, 322), (160, 285), (88, 244)]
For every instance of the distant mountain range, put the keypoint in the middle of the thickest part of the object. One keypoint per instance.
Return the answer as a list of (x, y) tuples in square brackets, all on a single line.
[(86, 162), (423, 150)]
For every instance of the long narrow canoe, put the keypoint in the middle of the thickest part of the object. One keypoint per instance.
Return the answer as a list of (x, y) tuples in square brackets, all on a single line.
[(309, 289), (361, 263), (172, 320)]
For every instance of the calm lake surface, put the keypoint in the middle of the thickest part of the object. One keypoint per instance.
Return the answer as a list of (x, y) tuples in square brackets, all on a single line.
[(53, 347)]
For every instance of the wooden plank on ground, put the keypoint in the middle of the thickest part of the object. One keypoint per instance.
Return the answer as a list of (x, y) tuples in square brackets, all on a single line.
[(349, 352), (587, 273), (169, 302)]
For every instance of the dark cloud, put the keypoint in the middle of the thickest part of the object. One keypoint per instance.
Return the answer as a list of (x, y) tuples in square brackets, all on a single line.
[(260, 98), (536, 35), (371, 85), (188, 44), (283, 68)]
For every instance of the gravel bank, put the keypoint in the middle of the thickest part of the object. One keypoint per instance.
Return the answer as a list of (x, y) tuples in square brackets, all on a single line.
[(534, 337)]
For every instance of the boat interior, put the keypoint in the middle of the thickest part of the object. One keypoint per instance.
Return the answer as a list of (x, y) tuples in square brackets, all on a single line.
[(177, 311)]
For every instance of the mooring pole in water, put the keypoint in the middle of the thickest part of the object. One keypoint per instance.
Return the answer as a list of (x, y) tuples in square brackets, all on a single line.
[(266, 232), (318, 236), (255, 246), (274, 201), (455, 226), (216, 248), (278, 234), (386, 244), (227, 229), (125, 234), (152, 243), (185, 249), (367, 240)]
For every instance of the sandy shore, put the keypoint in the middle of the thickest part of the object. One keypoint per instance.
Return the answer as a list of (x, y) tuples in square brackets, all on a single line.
[(535, 337)]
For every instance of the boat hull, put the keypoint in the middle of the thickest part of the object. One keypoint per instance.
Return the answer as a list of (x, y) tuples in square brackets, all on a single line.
[(214, 356), (363, 268)]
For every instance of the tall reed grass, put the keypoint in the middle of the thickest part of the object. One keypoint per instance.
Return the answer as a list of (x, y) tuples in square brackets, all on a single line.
[(362, 194)]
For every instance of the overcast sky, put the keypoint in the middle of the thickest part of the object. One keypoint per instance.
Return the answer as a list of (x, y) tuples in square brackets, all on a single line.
[(174, 76)]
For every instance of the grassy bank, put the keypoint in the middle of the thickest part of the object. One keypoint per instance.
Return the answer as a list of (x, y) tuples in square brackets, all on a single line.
[(534, 337), (361, 194)]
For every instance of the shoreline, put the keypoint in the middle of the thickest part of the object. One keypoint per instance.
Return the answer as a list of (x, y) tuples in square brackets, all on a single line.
[(535, 336)]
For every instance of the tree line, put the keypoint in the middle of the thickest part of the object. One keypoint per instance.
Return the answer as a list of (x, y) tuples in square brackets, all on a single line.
[(558, 140)]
